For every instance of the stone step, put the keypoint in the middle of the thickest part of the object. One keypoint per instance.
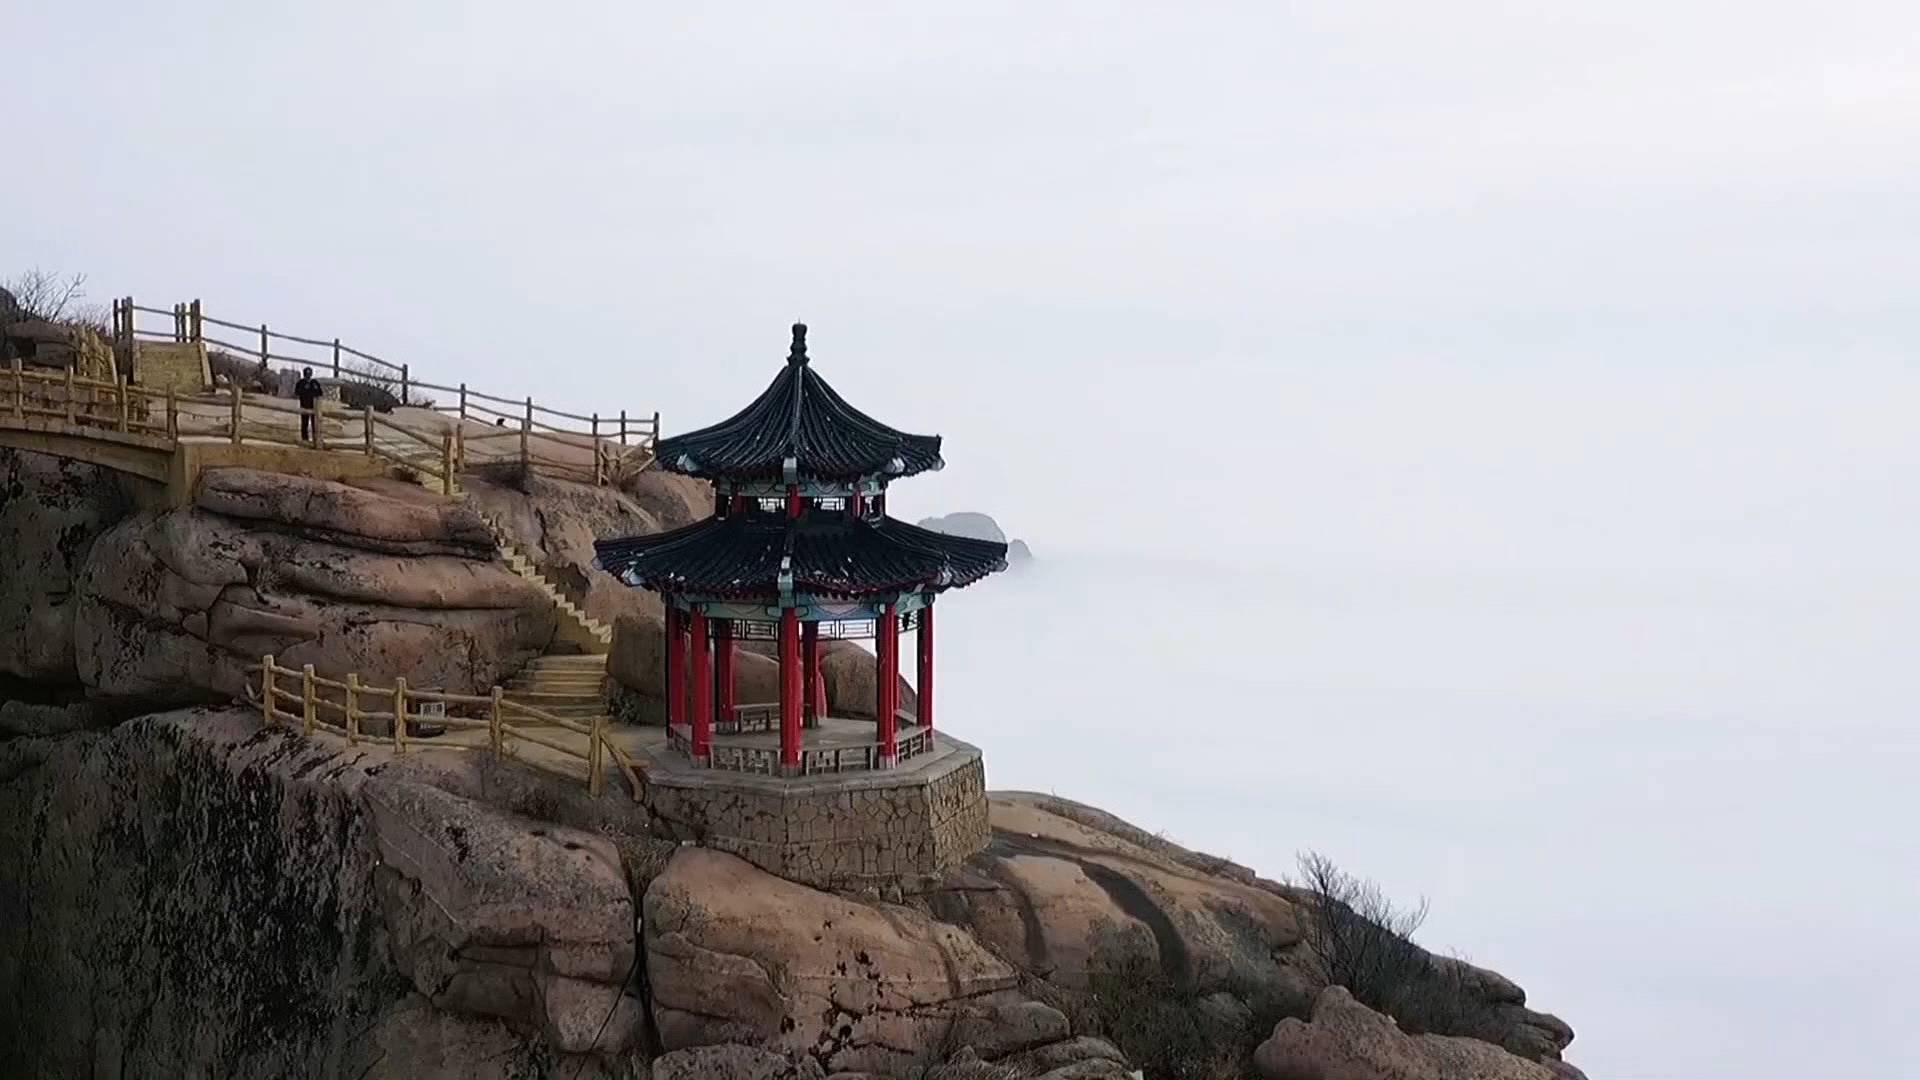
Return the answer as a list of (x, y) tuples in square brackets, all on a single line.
[(569, 659)]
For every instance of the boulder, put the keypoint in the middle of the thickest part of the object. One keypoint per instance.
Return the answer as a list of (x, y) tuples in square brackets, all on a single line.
[(997, 1030), (731, 1061), (504, 917), (1348, 1041), (735, 954), (851, 673), (323, 510), (52, 511), (413, 1040)]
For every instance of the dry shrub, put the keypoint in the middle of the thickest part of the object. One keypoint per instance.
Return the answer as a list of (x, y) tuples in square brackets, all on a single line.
[(1364, 942)]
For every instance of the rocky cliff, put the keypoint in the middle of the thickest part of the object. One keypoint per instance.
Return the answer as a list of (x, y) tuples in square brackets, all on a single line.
[(183, 893), (189, 894)]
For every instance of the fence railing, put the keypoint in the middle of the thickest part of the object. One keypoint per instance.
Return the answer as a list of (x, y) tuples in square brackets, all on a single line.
[(405, 719), (587, 447), (89, 403), (93, 403), (814, 761)]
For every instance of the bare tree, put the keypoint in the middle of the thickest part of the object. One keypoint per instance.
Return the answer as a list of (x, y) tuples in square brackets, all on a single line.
[(44, 295), (1364, 942)]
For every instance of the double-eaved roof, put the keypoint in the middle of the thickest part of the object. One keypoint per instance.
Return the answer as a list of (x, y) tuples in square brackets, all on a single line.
[(744, 556), (798, 429)]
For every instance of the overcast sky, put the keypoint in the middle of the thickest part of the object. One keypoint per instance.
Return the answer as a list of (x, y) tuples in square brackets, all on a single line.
[(1621, 294)]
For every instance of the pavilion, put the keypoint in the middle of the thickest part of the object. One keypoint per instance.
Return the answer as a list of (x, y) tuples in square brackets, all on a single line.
[(799, 549)]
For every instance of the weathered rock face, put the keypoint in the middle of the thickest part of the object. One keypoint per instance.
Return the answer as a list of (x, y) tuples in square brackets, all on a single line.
[(1062, 898), (52, 510), (1348, 1041), (180, 606), (494, 917), (557, 521), (191, 895), (737, 955)]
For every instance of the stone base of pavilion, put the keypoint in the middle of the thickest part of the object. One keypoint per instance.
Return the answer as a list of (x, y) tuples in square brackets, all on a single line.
[(851, 827)]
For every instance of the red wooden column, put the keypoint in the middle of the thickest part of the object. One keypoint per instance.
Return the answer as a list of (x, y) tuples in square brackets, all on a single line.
[(702, 690), (924, 683), (723, 650), (676, 670), (810, 676), (886, 694), (790, 691)]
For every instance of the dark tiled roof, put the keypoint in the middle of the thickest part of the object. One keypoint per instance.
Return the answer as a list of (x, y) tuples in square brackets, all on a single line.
[(801, 417), (740, 556)]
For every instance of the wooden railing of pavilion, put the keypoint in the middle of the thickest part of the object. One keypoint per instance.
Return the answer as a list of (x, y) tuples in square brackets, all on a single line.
[(304, 701), (586, 447), (814, 761)]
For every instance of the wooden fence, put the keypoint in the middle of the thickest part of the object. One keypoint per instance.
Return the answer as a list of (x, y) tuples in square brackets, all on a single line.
[(81, 402), (314, 703), (586, 447), (93, 403)]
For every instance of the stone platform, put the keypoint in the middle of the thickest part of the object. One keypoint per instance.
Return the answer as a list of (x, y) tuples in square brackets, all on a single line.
[(836, 829)]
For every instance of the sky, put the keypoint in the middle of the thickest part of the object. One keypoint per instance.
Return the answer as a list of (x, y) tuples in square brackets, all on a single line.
[(1494, 421)]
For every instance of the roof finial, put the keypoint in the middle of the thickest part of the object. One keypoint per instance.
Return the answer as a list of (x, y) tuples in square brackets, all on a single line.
[(799, 353)]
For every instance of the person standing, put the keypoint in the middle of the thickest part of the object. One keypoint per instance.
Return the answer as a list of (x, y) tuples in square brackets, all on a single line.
[(308, 391)]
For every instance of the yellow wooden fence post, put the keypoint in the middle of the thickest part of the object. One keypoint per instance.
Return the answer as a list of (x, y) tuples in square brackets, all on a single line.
[(446, 465), (353, 710), (463, 403), (336, 358), (460, 448), (623, 427), (196, 327), (526, 436), (233, 390), (306, 697), (263, 346), (266, 689), (400, 715), (596, 754), (493, 725)]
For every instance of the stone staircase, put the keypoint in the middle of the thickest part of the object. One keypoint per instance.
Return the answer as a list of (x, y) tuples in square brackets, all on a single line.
[(577, 629), (569, 686)]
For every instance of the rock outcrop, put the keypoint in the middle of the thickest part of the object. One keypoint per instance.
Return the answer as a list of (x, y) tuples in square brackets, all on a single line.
[(52, 510), (980, 527), (1348, 1041), (179, 606), (735, 955)]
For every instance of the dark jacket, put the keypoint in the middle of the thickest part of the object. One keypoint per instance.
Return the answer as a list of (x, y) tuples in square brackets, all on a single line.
[(308, 391)]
